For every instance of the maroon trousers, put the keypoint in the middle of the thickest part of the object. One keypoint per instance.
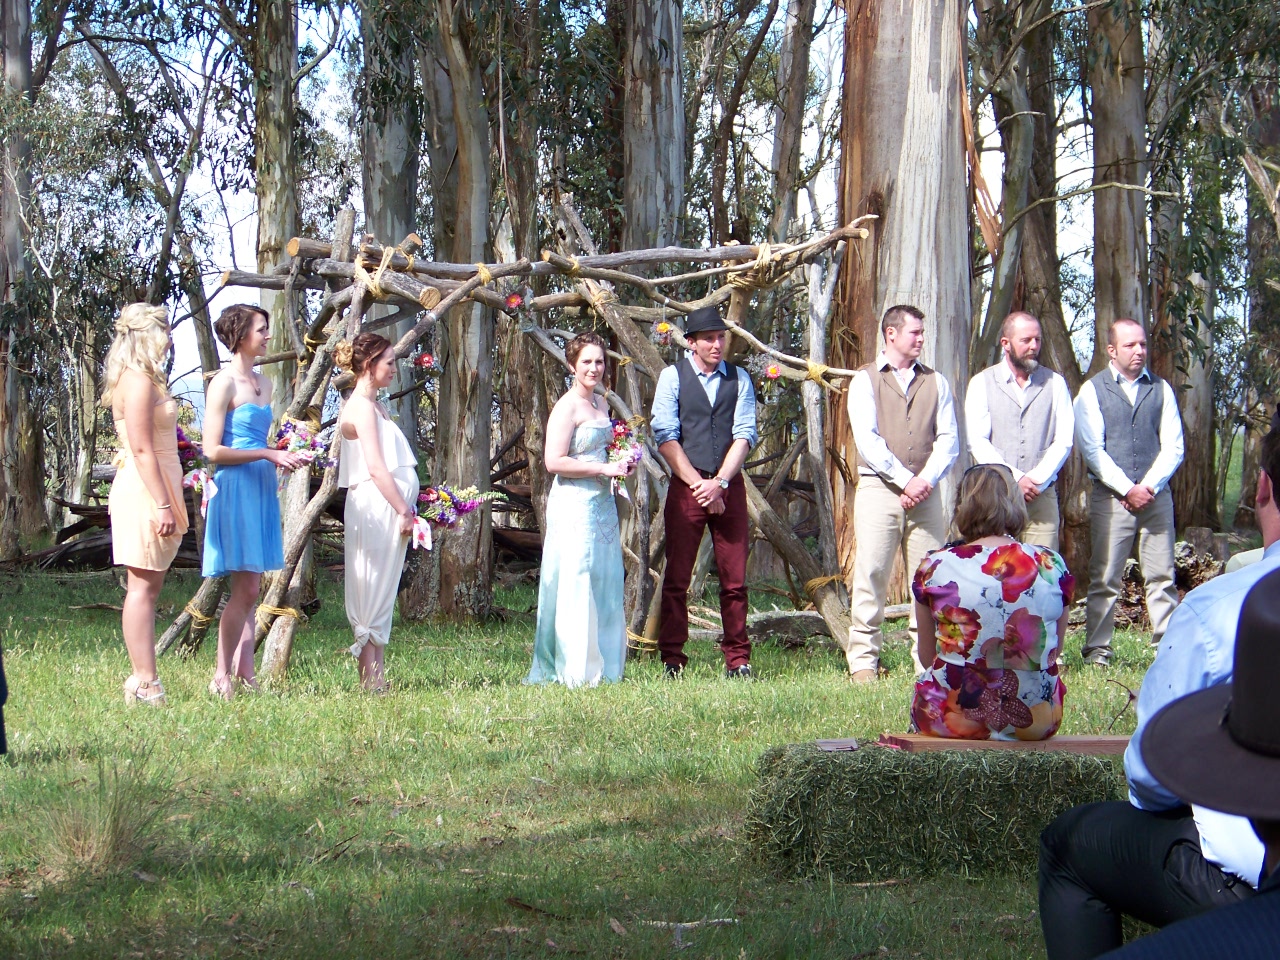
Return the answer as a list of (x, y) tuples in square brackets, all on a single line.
[(685, 521)]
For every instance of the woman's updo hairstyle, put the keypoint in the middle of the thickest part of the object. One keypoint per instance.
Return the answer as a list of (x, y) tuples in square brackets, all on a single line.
[(357, 354), (141, 343), (573, 349), (989, 504), (235, 322)]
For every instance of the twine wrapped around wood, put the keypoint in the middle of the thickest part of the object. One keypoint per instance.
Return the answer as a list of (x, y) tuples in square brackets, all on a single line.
[(374, 283), (266, 613), (811, 587), (641, 643), (198, 619), (486, 277)]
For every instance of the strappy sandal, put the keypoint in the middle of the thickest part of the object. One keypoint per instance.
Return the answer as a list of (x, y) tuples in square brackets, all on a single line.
[(226, 690), (149, 693)]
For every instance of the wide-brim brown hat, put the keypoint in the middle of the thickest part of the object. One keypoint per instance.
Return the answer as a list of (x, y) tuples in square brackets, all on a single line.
[(704, 320), (1220, 748)]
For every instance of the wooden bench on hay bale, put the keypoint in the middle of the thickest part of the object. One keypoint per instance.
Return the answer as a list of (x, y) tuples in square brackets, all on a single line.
[(910, 807)]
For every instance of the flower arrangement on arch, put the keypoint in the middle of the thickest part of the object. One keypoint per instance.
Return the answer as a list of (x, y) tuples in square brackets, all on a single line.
[(768, 371), (443, 506), (196, 474)]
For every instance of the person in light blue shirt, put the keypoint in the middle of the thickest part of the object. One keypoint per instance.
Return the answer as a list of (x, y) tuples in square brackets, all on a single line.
[(1155, 857), (704, 420)]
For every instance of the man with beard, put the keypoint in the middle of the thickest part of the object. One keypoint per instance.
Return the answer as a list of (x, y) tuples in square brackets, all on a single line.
[(1130, 434), (1019, 414)]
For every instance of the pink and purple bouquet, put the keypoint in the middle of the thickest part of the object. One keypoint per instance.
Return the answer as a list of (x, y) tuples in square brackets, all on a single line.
[(443, 506), (296, 437), (625, 447), (196, 473)]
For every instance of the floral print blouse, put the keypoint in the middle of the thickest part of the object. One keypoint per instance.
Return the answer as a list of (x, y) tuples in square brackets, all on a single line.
[(996, 673)]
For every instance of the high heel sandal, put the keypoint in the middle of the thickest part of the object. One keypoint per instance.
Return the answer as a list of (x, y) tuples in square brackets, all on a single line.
[(226, 690), (149, 693)]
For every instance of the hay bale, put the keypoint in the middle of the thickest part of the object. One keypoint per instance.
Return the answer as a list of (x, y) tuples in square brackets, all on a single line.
[(877, 814)]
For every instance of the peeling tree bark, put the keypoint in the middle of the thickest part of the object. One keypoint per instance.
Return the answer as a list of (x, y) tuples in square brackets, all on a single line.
[(1118, 99), (788, 116), (902, 146), (275, 57), (390, 131), (652, 123)]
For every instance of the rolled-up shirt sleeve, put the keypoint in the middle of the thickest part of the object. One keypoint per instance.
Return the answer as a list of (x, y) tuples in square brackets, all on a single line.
[(1091, 436), (871, 446), (744, 412), (665, 420), (1171, 445), (946, 444)]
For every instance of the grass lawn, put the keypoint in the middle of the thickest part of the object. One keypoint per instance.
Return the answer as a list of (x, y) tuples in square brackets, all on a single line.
[(464, 815)]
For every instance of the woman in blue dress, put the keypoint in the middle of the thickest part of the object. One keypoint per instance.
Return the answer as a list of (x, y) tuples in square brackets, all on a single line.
[(242, 531), (581, 636)]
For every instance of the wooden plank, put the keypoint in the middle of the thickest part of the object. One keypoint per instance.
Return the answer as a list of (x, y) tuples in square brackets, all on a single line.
[(1088, 745), (842, 745)]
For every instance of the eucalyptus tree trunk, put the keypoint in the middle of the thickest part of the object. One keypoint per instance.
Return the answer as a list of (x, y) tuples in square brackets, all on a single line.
[(390, 131), (275, 57), (1118, 98), (525, 383), (652, 123), (15, 273), (459, 572), (788, 116), (85, 415), (902, 147)]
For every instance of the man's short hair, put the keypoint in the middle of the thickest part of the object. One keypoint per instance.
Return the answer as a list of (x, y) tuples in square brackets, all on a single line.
[(897, 316), (1006, 328), (1270, 456), (1111, 330)]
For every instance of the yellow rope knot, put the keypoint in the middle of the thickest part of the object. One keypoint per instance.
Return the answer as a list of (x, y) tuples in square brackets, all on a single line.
[(637, 642), (374, 283), (817, 372), (483, 273), (266, 612), (575, 267), (198, 620), (311, 424), (812, 587), (636, 422), (598, 300), (623, 360)]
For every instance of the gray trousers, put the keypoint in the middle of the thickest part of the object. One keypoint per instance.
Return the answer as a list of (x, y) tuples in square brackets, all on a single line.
[(1114, 530)]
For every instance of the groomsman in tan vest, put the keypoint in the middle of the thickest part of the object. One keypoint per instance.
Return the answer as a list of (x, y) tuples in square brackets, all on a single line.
[(904, 427), (1018, 413)]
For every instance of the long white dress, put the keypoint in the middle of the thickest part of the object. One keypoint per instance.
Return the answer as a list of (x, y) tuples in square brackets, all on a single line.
[(374, 546)]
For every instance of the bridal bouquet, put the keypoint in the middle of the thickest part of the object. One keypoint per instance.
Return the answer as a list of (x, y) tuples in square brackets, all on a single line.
[(624, 448), (297, 437), (196, 475), (443, 506)]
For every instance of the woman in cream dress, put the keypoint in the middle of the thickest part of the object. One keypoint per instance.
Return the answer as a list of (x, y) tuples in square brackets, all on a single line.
[(380, 472), (148, 514)]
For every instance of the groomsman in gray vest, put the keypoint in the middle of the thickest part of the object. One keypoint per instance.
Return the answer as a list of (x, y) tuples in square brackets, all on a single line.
[(1018, 413), (1130, 433), (904, 427)]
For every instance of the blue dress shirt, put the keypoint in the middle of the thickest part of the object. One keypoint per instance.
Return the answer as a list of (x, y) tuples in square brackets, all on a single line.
[(666, 403), (1196, 653)]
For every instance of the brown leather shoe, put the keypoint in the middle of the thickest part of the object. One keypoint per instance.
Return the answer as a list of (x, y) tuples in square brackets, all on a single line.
[(863, 676)]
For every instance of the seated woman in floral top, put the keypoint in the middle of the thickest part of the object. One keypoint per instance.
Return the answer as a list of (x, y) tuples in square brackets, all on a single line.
[(992, 614)]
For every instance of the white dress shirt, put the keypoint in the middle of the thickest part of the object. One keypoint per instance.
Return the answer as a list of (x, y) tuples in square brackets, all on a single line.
[(977, 416), (872, 447), (1091, 435)]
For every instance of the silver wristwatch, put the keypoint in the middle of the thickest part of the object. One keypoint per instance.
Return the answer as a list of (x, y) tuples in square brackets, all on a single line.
[(724, 484)]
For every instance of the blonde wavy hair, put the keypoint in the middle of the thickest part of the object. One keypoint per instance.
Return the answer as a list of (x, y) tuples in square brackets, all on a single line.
[(142, 344)]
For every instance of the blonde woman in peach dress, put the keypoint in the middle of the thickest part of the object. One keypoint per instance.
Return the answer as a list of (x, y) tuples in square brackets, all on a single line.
[(148, 514)]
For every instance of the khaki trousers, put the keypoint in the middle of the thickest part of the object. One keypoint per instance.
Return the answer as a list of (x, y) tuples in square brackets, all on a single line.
[(884, 530), (1114, 530), (1042, 519)]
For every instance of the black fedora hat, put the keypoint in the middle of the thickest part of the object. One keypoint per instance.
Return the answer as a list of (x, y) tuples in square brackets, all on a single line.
[(1220, 748), (704, 320)]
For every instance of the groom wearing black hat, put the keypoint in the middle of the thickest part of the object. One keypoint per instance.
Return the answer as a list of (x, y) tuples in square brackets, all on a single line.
[(704, 421), (1220, 749)]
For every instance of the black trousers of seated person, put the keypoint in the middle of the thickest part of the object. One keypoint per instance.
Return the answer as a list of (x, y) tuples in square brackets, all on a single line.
[(1103, 860)]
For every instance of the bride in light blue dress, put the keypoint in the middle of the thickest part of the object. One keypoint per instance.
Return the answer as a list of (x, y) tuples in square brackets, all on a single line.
[(582, 634)]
